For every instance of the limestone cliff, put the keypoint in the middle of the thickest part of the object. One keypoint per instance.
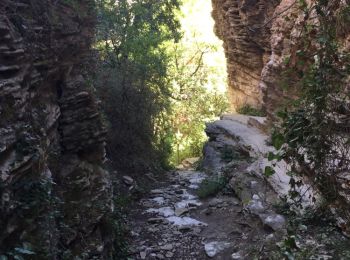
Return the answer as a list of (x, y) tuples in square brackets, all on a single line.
[(285, 36), (55, 194), (261, 40), (259, 36), (244, 26)]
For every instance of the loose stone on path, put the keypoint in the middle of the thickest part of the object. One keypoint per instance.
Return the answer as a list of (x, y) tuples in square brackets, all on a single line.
[(213, 248)]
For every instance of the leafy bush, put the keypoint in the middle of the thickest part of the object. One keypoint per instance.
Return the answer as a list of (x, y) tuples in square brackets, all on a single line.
[(131, 79), (196, 70), (211, 186), (153, 85)]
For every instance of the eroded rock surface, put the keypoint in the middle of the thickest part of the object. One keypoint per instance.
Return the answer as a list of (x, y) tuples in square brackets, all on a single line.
[(231, 138), (244, 27), (238, 150), (55, 194), (240, 153), (259, 37), (262, 41)]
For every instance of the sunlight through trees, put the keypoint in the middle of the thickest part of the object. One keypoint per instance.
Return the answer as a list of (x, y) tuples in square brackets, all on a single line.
[(199, 81), (161, 77)]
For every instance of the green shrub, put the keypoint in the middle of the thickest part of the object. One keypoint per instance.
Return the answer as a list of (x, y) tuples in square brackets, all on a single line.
[(211, 186), (131, 79), (250, 111), (118, 224), (230, 153)]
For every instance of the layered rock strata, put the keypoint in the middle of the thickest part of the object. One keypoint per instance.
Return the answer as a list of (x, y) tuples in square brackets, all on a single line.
[(261, 41), (244, 27), (260, 37), (55, 194)]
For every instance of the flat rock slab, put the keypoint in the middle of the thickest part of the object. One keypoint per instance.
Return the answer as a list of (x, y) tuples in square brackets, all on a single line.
[(213, 248), (185, 221), (181, 211), (165, 211), (128, 180), (159, 200), (275, 221)]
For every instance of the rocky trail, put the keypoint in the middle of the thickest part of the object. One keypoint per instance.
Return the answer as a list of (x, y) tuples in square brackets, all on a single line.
[(237, 223), (242, 220), (174, 223)]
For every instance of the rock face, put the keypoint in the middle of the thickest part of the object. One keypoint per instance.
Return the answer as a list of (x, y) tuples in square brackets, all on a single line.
[(285, 33), (259, 37), (233, 139), (238, 151), (55, 194), (244, 26)]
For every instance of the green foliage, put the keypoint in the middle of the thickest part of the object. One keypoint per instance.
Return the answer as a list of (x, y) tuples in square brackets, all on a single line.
[(188, 119), (230, 153), (269, 171), (35, 206), (211, 186), (249, 110), (153, 85), (277, 140), (118, 225), (315, 222), (131, 78), (196, 95), (312, 135)]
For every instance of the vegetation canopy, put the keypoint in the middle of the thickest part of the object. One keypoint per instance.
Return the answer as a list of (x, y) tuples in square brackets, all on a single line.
[(154, 79)]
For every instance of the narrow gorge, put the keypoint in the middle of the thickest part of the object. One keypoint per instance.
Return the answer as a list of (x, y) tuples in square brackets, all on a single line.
[(116, 141)]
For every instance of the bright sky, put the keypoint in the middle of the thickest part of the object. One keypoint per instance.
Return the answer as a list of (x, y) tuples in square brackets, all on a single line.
[(198, 25)]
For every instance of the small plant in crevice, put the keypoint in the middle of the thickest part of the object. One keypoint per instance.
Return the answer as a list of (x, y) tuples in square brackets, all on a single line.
[(118, 224), (283, 207), (230, 153), (198, 166), (250, 111), (211, 186), (35, 207)]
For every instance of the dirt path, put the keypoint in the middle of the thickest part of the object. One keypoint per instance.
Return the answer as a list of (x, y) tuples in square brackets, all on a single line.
[(173, 223)]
